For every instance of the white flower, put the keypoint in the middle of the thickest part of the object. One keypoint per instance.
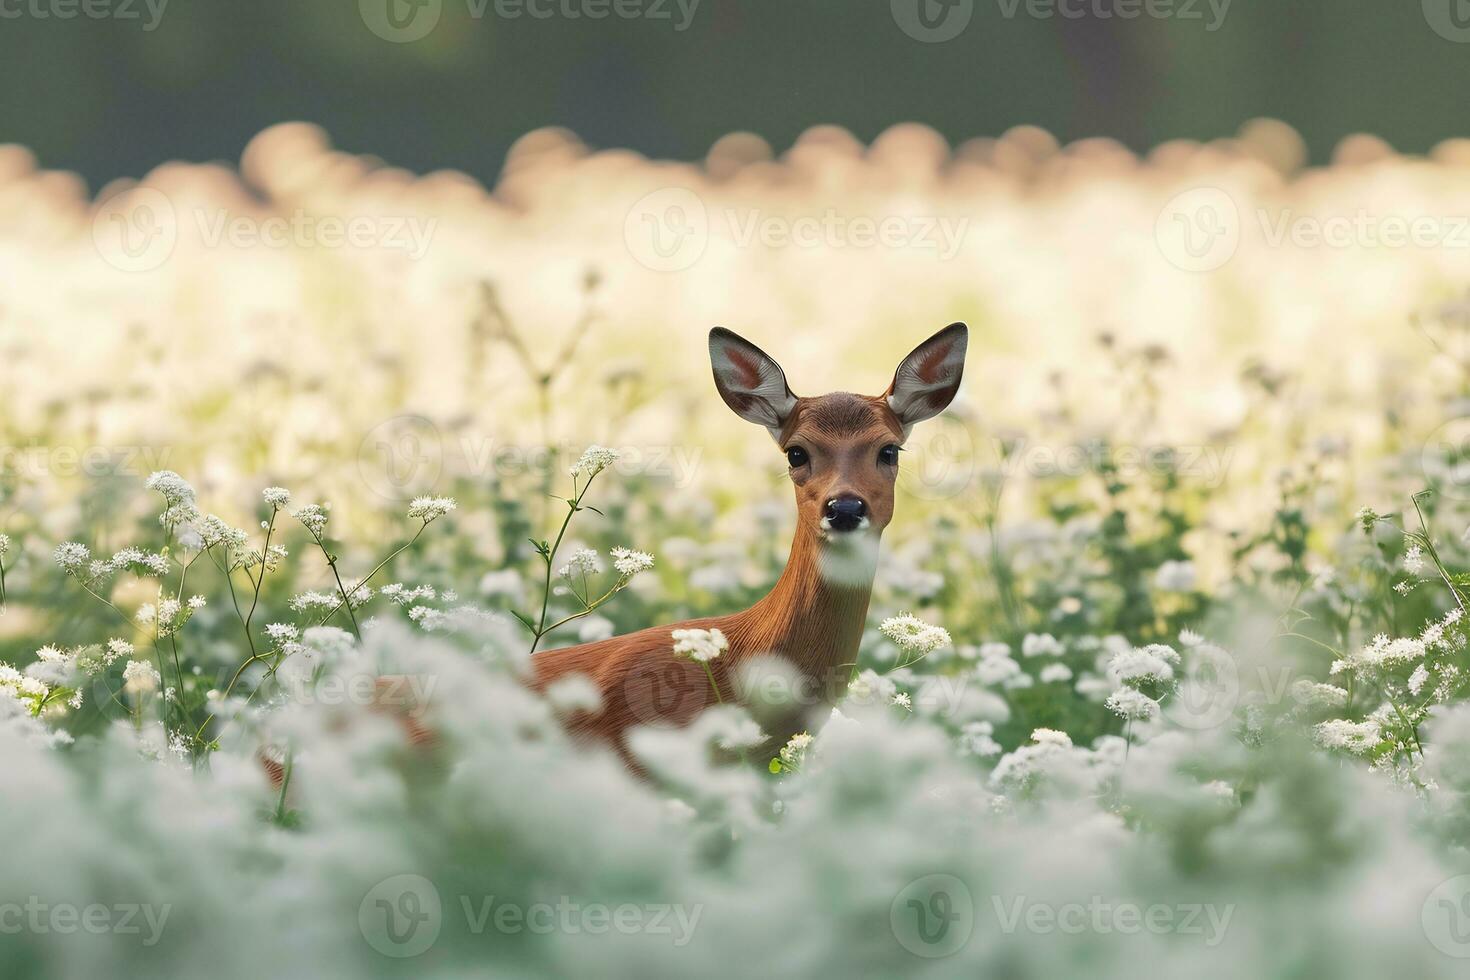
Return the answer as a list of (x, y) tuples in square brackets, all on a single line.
[(902, 700), (1130, 703), (1175, 576), (1041, 645), (583, 561), (430, 508), (1355, 737), (1050, 736), (593, 461), (573, 694), (1150, 663), (870, 685), (140, 677), (212, 531), (794, 752), (1309, 694), (913, 635), (1414, 559), (1381, 652), (699, 644), (277, 497), (994, 649), (175, 489), (4, 545), (196, 602), (506, 582), (629, 563), (996, 670), (975, 739), (71, 555), (313, 517), (742, 733), (1055, 673), (1417, 679), (282, 633), (594, 628), (147, 613)]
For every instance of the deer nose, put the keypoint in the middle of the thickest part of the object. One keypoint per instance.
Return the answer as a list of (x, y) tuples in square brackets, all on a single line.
[(845, 513)]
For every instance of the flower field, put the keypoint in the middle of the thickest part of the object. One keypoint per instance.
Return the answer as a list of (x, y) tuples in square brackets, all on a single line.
[(1166, 668)]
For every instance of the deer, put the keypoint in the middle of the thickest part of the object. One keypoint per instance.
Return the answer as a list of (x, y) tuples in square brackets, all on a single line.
[(842, 454)]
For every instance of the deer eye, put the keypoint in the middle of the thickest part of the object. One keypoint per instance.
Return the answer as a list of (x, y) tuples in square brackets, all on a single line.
[(796, 456), (888, 455)]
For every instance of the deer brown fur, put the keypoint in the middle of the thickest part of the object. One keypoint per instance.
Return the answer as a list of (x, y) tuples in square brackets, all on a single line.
[(842, 451)]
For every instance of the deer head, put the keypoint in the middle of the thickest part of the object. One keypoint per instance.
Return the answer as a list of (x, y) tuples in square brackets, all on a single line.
[(842, 449)]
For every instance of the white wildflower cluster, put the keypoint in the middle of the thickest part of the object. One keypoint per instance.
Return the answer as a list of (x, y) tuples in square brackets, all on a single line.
[(793, 754), (1175, 576), (276, 497), (140, 561), (140, 677), (94, 660), (1041, 645), (1132, 704), (914, 636), (324, 602), (1354, 737), (179, 508), (282, 633), (169, 615), (629, 563), (313, 517), (976, 738), (72, 556), (1051, 757), (430, 509), (584, 561), (30, 692), (699, 645), (594, 460), (871, 687), (214, 531), (1142, 676), (404, 595), (4, 545), (1414, 559)]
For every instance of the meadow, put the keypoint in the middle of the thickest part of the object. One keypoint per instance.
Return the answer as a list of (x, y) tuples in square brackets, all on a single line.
[(1166, 666)]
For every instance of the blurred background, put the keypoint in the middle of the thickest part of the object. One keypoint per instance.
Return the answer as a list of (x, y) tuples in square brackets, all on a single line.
[(195, 79)]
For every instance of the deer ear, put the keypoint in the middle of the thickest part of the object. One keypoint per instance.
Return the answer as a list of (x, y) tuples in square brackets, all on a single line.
[(928, 379), (750, 381)]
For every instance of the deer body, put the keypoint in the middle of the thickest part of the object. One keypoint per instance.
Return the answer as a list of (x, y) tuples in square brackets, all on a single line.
[(842, 450)]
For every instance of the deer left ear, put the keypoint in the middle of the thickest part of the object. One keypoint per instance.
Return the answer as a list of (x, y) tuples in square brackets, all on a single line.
[(928, 379)]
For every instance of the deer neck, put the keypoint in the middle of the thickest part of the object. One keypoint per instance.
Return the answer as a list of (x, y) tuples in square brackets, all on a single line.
[(814, 615)]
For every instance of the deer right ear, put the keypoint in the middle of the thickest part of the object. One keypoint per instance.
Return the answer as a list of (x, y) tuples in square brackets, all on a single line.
[(750, 381)]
